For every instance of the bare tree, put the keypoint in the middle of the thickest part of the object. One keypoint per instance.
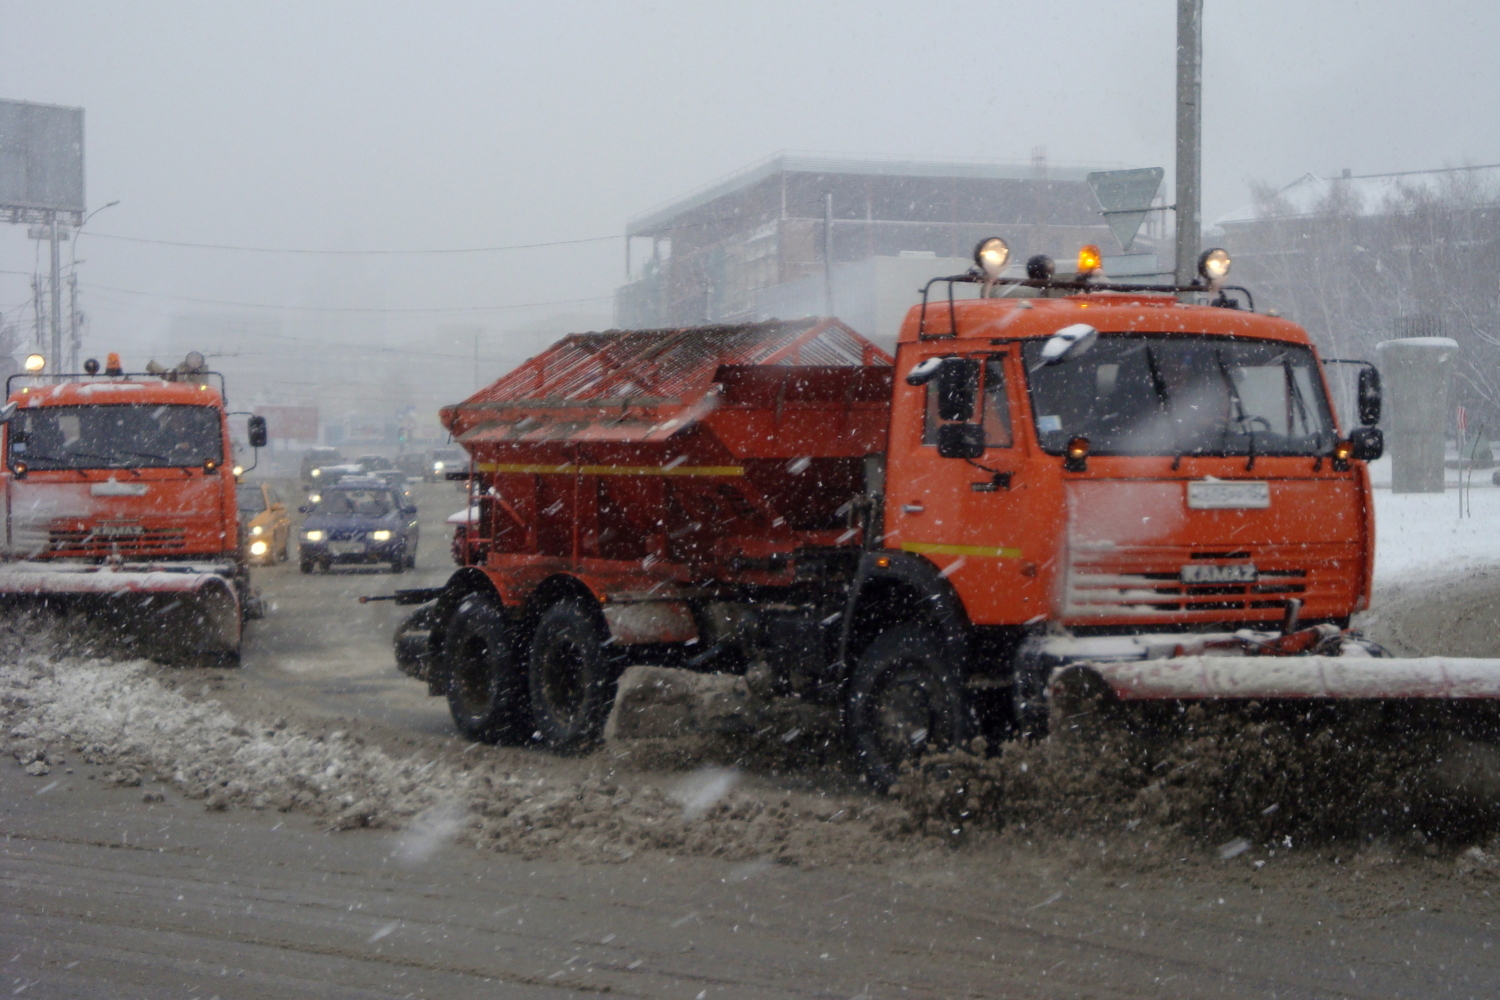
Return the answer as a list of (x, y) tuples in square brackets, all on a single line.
[(1425, 261)]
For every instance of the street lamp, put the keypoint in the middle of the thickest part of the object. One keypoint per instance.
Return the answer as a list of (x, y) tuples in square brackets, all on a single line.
[(73, 285)]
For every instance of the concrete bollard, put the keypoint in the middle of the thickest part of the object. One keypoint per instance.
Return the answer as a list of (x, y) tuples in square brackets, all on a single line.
[(1417, 373)]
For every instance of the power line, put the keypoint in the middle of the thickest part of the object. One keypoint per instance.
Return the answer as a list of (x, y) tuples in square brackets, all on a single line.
[(392, 253), (349, 309), (352, 253)]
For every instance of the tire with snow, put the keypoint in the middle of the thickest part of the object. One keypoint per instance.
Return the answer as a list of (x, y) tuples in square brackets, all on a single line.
[(903, 700), (570, 675), (485, 684)]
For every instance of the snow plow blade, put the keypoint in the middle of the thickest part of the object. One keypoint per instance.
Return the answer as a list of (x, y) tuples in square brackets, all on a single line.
[(171, 611), (1189, 678)]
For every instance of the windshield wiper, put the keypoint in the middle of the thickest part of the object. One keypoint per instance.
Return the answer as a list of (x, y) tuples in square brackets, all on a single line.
[(159, 458), (1157, 382), (1245, 422), (63, 464)]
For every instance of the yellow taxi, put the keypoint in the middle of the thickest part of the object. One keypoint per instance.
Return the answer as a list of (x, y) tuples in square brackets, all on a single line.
[(268, 526)]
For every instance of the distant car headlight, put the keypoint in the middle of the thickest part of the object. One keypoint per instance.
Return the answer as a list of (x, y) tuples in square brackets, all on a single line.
[(313, 536), (316, 473), (259, 548), (381, 536), (257, 530), (315, 498)]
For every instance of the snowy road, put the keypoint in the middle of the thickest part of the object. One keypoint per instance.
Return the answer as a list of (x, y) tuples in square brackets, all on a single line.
[(106, 896), (118, 882)]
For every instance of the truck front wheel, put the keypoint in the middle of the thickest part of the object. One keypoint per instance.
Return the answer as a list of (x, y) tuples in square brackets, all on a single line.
[(903, 700), (486, 686), (571, 676)]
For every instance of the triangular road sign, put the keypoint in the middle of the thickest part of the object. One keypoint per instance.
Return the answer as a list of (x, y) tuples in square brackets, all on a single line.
[(1126, 196)]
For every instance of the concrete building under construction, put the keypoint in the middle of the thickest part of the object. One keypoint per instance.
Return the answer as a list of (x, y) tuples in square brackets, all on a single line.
[(784, 237)]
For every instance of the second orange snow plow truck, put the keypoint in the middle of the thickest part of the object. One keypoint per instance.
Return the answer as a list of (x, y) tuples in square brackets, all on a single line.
[(119, 498), (1060, 474)]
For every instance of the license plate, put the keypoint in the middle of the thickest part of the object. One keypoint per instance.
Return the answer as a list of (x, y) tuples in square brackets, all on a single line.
[(346, 548), (1209, 573), (116, 530), (1202, 495)]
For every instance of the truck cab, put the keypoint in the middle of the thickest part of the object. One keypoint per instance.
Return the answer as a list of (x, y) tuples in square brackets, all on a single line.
[(117, 491)]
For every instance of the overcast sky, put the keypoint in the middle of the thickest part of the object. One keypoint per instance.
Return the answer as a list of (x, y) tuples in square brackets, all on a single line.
[(441, 125)]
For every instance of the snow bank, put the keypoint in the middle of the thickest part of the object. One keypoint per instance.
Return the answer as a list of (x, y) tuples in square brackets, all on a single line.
[(1421, 535), (116, 713), (120, 714)]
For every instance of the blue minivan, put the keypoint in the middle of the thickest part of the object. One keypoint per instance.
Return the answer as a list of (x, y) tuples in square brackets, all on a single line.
[(358, 521)]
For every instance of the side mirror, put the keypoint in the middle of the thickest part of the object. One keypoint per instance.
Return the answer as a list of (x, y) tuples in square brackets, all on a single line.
[(256, 431), (305, 509), (7, 411), (1369, 442), (1369, 396), (960, 441), (958, 388), (923, 371), (1073, 341)]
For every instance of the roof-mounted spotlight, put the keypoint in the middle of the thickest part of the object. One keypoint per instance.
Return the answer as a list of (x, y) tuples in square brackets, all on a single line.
[(35, 363), (1213, 265), (991, 256), (1041, 268), (91, 366)]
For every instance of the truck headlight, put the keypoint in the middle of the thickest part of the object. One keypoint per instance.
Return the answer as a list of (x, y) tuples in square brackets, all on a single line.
[(257, 530), (313, 536), (381, 536), (259, 548)]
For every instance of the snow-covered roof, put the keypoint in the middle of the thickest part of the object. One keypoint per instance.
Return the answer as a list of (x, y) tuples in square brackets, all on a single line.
[(1371, 191)]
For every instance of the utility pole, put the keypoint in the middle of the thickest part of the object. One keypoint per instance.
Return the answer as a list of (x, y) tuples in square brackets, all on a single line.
[(1189, 137), (55, 356), (36, 307), (828, 252), (73, 339)]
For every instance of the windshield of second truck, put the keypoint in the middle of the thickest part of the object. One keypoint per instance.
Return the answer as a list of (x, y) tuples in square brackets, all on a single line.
[(1135, 394), (110, 436)]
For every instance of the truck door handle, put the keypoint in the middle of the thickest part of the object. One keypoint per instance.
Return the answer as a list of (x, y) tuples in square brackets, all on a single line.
[(912, 508)]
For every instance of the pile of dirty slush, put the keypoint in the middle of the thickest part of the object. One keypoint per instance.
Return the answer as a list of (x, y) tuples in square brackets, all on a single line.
[(1203, 774), (1211, 772), (57, 709)]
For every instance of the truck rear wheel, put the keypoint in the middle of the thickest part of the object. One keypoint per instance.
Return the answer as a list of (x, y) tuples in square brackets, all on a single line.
[(486, 686), (571, 677), (903, 700)]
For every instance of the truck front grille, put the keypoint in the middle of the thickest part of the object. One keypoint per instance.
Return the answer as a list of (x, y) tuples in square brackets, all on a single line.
[(1145, 582), (88, 543)]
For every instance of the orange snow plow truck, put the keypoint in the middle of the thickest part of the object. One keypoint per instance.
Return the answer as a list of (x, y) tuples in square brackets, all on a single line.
[(119, 498), (1061, 474)]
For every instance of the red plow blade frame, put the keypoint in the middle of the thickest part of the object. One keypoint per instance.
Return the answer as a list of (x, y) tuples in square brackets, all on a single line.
[(198, 609), (1247, 678)]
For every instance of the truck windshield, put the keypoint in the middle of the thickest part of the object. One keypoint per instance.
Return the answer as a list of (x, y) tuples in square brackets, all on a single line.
[(115, 436), (354, 503), (1137, 394)]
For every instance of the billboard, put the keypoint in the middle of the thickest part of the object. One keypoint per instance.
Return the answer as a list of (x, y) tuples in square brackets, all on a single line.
[(41, 159), (290, 423)]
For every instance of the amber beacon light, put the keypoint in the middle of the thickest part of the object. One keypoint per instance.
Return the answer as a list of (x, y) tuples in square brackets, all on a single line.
[(1090, 259), (1076, 455)]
